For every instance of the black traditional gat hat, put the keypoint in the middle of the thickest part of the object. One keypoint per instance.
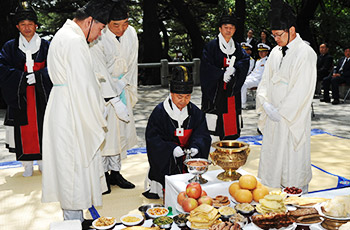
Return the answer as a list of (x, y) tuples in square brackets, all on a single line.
[(281, 15), (181, 81), (25, 12), (228, 17), (119, 10), (98, 10)]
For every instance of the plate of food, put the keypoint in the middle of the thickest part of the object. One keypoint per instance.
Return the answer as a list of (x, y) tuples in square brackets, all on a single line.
[(245, 208), (157, 212), (304, 202), (273, 221), (104, 222), (164, 222), (334, 209), (220, 201), (131, 219), (305, 216), (292, 191), (180, 219)]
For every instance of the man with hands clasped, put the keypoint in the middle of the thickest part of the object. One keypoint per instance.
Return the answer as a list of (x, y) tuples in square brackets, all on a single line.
[(224, 67), (175, 125), (284, 98), (25, 86)]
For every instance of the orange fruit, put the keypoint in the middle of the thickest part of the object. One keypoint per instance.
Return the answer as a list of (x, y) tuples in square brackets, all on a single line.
[(259, 184), (233, 188), (247, 182), (243, 196), (260, 193)]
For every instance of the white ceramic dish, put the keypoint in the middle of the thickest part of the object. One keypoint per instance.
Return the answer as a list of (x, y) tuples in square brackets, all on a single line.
[(319, 209), (189, 225), (140, 217), (165, 212), (103, 227)]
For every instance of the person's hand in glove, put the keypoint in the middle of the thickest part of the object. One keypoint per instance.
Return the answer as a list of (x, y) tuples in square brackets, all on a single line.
[(228, 74), (31, 78), (194, 152), (120, 109), (271, 112), (178, 152)]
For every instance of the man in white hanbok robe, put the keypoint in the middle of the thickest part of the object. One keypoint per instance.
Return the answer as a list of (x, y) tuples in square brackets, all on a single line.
[(253, 79), (284, 99), (115, 56), (74, 121)]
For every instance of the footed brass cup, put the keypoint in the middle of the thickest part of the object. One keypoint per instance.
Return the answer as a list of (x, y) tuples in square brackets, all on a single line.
[(229, 155)]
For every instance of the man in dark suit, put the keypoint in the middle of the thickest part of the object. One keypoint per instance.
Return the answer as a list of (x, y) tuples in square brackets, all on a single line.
[(340, 75), (324, 66)]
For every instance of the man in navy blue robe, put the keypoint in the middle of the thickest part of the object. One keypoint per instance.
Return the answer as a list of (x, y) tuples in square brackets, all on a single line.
[(25, 86), (224, 67), (175, 125)]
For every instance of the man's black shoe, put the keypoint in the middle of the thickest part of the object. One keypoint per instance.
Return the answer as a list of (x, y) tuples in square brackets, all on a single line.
[(108, 178), (117, 179), (87, 224), (335, 102), (150, 195), (327, 100)]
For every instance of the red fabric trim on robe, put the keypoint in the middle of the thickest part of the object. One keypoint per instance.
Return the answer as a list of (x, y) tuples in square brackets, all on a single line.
[(230, 120), (30, 132), (184, 139)]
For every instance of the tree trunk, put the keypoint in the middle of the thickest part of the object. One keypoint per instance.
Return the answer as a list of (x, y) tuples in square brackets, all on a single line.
[(191, 26), (240, 13), (307, 13), (7, 28), (152, 46)]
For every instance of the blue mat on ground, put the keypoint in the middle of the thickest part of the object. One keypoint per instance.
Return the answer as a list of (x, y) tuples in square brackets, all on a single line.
[(252, 140)]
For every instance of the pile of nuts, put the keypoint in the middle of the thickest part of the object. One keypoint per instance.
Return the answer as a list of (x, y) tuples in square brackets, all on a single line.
[(292, 190)]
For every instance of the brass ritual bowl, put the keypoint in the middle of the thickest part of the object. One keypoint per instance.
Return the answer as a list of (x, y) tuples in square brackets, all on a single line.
[(229, 155)]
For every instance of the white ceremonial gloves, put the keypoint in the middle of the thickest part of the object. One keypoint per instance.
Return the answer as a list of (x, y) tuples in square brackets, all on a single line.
[(228, 73), (31, 78), (178, 152), (194, 152), (271, 112), (120, 109)]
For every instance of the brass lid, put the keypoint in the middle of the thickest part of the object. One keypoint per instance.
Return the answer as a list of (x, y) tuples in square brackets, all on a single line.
[(230, 146)]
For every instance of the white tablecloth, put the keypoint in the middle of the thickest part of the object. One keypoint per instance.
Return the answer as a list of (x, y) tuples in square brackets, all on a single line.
[(177, 183)]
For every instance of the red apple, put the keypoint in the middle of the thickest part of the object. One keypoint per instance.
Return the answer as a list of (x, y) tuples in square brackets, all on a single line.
[(205, 200), (188, 204), (204, 193), (194, 190), (181, 197)]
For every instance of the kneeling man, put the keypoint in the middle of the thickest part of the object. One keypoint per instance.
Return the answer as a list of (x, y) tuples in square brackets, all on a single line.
[(175, 125)]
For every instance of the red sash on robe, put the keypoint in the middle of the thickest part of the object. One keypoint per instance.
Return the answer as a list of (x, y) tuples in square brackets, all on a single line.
[(229, 118), (29, 132)]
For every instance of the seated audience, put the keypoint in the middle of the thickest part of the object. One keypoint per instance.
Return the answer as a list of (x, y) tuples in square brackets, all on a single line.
[(324, 66), (254, 78), (174, 126), (340, 75)]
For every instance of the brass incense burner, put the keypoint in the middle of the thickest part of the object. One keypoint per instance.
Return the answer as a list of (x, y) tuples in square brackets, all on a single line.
[(229, 155)]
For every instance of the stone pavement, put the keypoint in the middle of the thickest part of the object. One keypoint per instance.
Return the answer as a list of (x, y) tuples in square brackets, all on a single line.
[(334, 119)]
